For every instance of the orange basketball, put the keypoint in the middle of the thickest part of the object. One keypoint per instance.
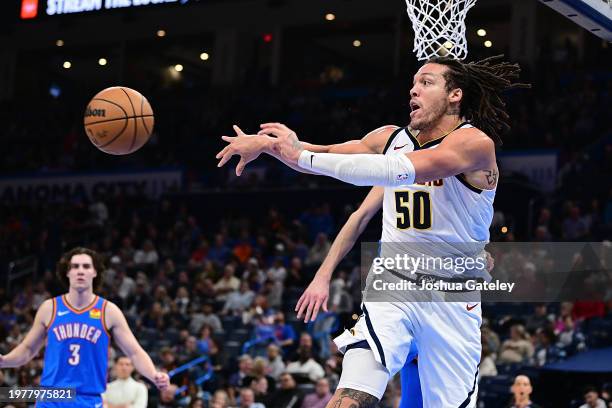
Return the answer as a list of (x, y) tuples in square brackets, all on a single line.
[(118, 120)]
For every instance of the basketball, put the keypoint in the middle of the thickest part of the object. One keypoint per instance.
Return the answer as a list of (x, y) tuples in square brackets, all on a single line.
[(118, 120)]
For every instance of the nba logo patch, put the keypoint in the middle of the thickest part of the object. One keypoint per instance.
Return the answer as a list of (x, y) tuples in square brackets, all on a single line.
[(95, 313), (401, 177)]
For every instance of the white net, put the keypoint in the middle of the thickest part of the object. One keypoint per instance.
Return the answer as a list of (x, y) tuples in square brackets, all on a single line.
[(439, 27)]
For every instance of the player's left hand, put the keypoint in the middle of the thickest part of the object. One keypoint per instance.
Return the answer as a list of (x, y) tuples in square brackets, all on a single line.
[(286, 144), (161, 380), (248, 147)]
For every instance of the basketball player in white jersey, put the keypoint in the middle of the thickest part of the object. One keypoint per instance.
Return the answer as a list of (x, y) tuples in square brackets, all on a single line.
[(453, 178)]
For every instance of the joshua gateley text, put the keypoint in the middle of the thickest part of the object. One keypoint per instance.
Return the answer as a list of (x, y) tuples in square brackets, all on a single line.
[(471, 284)]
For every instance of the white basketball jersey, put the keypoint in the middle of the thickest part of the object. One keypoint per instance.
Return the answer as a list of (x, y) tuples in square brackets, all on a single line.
[(449, 210)]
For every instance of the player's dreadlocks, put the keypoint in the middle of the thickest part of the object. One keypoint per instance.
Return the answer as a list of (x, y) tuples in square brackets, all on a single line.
[(482, 83)]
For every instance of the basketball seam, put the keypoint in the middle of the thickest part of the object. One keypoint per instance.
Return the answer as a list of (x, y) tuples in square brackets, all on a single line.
[(110, 120), (124, 126), (142, 99), (135, 122), (116, 137)]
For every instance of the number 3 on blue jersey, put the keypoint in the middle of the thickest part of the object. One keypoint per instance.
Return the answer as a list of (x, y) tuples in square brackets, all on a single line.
[(76, 357)]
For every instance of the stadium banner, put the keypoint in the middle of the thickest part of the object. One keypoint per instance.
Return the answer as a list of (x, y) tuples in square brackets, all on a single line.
[(461, 272), (71, 186), (33, 8), (540, 167)]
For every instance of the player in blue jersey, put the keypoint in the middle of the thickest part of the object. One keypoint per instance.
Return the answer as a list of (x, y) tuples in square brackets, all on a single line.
[(77, 327)]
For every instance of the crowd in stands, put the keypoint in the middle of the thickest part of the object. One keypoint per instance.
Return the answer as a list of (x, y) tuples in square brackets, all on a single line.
[(227, 290)]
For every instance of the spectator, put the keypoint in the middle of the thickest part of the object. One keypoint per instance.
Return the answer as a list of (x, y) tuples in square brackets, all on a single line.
[(219, 252), (319, 250), (125, 392), (182, 300), (238, 301), (592, 400), (538, 319), (257, 310), (166, 397), (546, 350), (305, 341), (139, 302), (168, 359), (260, 387), (247, 399), (205, 317), (126, 285), (306, 366), (273, 291), (277, 271), (332, 372), (284, 332), (565, 317), (487, 366), (490, 338), (190, 350), (253, 273), (288, 396), (320, 397), (199, 255), (205, 341), (340, 299), (3, 382), (227, 283), (575, 227), (196, 403), (294, 276), (521, 393), (156, 318), (275, 361), (260, 369), (147, 255), (245, 365), (518, 348), (220, 399)]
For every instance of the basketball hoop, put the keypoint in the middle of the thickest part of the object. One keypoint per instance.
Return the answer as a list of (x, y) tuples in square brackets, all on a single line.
[(439, 27)]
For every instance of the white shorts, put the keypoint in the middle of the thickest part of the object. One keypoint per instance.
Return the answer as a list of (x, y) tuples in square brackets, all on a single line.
[(447, 339)]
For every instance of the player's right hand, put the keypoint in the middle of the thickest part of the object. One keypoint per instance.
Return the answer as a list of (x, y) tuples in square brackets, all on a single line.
[(161, 380), (314, 297), (248, 147)]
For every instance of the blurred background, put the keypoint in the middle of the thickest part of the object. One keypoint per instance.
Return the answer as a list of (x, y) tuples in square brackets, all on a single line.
[(186, 241)]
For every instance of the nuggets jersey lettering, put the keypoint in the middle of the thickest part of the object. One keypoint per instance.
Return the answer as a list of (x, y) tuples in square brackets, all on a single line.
[(76, 355), (443, 211)]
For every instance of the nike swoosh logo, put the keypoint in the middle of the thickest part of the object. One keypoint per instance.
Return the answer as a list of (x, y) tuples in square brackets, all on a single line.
[(399, 147), (311, 157), (469, 308), (65, 312), (98, 405)]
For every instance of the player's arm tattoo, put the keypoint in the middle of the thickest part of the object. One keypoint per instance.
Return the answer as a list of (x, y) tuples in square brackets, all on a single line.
[(297, 145), (491, 177), (355, 399)]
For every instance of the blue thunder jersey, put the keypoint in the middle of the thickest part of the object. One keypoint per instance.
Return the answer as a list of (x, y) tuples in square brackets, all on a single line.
[(77, 348)]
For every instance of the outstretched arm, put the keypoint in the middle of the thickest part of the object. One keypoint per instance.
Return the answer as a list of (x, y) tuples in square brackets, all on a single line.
[(126, 341), (249, 147), (317, 293), (462, 151), (33, 341)]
